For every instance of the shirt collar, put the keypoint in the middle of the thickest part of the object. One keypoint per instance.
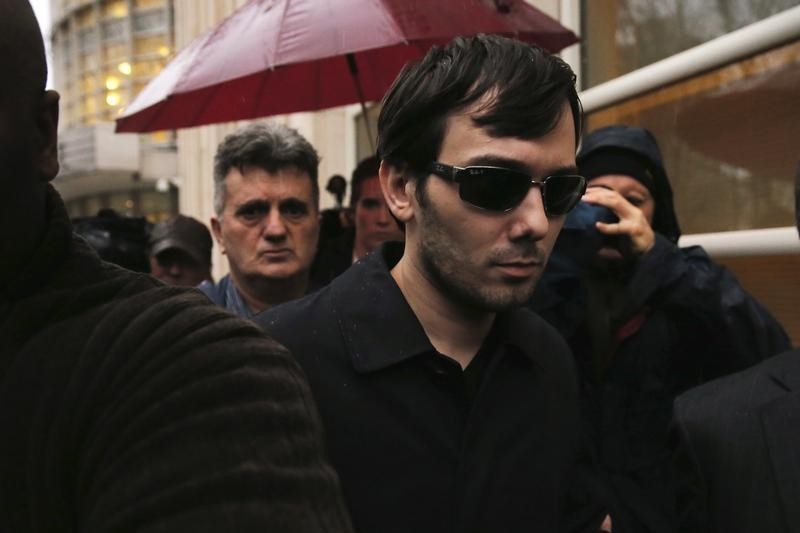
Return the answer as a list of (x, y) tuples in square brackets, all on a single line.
[(378, 326)]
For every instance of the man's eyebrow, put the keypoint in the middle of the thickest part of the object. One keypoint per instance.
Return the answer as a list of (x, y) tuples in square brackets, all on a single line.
[(491, 160), (563, 171), (250, 204)]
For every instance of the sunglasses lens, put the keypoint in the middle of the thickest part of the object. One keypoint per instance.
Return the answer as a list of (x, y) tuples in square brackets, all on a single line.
[(562, 193), (495, 189)]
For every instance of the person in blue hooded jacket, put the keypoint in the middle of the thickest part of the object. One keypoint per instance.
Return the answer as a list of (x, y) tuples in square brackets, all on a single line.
[(646, 320)]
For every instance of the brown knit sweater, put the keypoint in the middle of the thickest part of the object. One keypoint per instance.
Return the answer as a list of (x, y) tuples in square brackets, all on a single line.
[(126, 405)]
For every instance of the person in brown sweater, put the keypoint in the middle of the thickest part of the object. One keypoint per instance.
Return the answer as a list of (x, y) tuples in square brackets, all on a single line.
[(127, 405)]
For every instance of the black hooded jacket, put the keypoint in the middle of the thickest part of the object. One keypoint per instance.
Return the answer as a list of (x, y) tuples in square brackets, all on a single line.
[(671, 320)]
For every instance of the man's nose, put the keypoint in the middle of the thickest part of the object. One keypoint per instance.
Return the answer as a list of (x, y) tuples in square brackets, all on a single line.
[(529, 218), (275, 228)]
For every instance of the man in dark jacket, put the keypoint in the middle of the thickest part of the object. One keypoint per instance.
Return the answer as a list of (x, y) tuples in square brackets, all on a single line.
[(127, 405), (737, 447), (446, 406), (179, 250), (645, 319)]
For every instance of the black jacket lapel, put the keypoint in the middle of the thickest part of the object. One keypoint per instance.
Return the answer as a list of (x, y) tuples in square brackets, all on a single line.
[(780, 422)]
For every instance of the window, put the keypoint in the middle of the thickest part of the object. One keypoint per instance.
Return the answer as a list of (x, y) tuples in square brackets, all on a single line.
[(150, 45), (88, 107), (90, 62), (149, 21), (148, 69), (88, 83), (114, 30), (147, 4), (87, 39), (117, 9), (620, 36), (115, 53), (729, 140), (87, 18)]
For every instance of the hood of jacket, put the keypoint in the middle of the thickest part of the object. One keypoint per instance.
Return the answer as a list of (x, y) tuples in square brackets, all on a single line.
[(643, 144)]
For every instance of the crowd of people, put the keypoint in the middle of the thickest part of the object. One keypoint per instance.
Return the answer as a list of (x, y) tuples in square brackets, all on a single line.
[(500, 333)]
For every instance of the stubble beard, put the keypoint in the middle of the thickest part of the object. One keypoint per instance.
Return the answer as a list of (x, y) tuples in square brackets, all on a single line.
[(445, 265)]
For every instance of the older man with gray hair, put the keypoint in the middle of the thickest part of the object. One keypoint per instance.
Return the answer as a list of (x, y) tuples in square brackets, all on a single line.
[(266, 199)]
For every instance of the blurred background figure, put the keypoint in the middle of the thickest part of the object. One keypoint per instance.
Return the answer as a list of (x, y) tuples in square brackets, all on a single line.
[(373, 222), (645, 319), (180, 251), (373, 225), (335, 221), (337, 186), (117, 239)]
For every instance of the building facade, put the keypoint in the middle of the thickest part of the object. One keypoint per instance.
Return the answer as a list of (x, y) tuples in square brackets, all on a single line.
[(104, 53)]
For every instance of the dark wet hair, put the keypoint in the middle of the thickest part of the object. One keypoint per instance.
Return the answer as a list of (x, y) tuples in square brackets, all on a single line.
[(367, 168), (527, 84)]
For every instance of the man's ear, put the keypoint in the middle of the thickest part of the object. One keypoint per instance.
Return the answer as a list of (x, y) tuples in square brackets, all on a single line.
[(47, 128), (216, 229), (398, 191)]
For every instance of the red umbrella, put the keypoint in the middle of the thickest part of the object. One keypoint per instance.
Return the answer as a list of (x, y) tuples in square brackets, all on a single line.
[(283, 56)]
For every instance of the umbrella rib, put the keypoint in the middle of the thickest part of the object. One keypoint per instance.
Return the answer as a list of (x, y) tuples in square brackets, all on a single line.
[(353, 67)]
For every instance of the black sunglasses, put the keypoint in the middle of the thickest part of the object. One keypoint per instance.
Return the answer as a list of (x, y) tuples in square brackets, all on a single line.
[(503, 189)]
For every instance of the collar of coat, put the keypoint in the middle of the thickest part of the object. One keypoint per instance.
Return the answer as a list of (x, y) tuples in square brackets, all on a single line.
[(378, 326)]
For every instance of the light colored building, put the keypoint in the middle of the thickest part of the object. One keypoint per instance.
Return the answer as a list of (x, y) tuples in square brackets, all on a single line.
[(104, 53)]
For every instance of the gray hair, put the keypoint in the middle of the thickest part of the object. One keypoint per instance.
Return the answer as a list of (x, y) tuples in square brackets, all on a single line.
[(268, 146)]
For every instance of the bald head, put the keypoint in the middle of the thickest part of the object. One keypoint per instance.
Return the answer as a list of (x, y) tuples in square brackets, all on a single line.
[(22, 56)]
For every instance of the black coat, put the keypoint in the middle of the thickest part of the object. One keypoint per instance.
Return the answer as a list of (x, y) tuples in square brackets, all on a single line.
[(416, 448), (130, 406), (738, 451)]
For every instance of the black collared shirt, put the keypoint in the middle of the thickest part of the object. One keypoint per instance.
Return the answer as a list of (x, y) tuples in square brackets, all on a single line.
[(419, 444)]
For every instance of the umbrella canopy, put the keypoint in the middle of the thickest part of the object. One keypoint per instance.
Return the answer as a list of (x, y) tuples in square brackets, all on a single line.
[(284, 56)]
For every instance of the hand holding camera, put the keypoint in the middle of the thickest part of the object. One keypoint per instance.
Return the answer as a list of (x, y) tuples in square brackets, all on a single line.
[(632, 222)]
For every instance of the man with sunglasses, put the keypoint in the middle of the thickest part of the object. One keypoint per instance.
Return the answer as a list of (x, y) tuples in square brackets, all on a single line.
[(448, 408)]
